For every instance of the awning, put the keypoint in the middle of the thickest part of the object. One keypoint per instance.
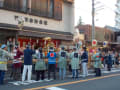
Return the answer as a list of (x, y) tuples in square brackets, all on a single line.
[(38, 32)]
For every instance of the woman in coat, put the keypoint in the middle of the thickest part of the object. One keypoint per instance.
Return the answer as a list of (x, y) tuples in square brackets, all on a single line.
[(97, 63), (40, 66), (75, 60), (4, 57), (62, 62)]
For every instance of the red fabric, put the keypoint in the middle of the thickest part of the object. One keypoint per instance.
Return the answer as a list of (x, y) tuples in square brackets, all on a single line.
[(97, 56), (17, 65), (102, 59), (18, 55)]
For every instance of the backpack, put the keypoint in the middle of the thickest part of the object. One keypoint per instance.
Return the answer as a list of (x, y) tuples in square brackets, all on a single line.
[(75, 55), (63, 54), (41, 56)]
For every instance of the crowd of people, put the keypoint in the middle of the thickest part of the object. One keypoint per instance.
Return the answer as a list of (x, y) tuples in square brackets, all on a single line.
[(105, 59), (24, 59)]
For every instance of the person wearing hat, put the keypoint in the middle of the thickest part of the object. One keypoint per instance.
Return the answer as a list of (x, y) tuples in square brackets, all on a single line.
[(84, 58), (62, 63), (51, 63), (28, 52), (4, 56), (75, 61), (40, 66)]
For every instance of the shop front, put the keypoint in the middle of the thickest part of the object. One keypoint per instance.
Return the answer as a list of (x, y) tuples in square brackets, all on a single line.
[(39, 42)]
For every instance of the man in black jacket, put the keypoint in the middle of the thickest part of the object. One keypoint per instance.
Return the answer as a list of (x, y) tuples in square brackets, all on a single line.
[(84, 58), (28, 62)]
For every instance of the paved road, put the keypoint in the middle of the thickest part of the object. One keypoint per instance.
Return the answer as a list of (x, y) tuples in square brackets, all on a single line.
[(109, 81)]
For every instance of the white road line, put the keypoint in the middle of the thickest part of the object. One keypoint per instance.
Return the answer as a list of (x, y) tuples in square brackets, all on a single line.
[(55, 88), (92, 74), (27, 83)]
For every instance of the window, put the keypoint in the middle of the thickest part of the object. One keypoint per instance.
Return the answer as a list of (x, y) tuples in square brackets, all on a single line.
[(23, 5), (81, 31), (112, 37), (107, 36), (20, 5), (39, 7), (58, 9), (43, 7), (12, 4), (50, 8), (47, 8)]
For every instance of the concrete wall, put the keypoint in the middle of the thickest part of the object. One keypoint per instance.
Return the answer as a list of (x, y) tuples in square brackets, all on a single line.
[(65, 25)]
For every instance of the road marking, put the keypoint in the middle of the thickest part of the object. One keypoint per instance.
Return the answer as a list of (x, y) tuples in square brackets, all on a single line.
[(92, 74), (74, 82), (55, 88), (17, 83)]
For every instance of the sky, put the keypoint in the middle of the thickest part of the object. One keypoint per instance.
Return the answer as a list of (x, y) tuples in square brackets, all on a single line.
[(105, 16)]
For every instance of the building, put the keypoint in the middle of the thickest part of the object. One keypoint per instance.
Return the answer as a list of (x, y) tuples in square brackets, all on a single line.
[(33, 20), (117, 18), (101, 34), (112, 28)]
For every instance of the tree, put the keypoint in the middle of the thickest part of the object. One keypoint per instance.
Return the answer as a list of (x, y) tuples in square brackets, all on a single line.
[(80, 22)]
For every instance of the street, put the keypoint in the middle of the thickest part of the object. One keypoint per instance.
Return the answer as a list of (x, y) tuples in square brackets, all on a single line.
[(108, 81)]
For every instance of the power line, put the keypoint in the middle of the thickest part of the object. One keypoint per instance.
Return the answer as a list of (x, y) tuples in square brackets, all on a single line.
[(106, 5)]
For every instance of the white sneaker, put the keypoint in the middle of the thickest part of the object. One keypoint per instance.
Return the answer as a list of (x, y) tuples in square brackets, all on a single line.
[(51, 79), (16, 83), (41, 80), (24, 83), (31, 81)]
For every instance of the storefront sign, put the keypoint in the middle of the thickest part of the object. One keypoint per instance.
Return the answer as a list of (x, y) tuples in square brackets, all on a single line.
[(32, 20)]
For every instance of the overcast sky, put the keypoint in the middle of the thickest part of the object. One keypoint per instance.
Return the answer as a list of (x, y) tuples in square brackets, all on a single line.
[(103, 17)]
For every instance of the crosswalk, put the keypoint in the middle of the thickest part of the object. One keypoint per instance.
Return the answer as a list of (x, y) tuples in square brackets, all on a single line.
[(17, 83), (29, 82)]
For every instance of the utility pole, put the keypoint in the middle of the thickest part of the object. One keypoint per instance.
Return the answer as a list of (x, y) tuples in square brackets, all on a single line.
[(93, 19)]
